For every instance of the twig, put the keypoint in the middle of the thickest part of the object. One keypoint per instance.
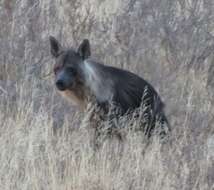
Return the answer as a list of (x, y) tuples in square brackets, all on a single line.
[(3, 90), (47, 75)]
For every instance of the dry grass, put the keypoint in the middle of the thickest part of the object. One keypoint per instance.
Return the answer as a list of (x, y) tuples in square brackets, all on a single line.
[(32, 157), (169, 43)]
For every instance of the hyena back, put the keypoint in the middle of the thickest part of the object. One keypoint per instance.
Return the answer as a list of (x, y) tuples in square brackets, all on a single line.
[(79, 78)]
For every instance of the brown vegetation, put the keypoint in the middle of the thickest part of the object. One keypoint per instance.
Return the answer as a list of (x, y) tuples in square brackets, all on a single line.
[(169, 43)]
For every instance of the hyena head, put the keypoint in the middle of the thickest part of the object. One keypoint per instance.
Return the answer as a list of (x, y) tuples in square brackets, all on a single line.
[(67, 67), (68, 74)]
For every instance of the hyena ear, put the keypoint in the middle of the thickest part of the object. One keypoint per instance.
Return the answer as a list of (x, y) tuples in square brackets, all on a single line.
[(56, 48), (84, 49)]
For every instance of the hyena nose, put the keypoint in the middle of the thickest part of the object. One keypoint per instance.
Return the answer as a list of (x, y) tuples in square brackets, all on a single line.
[(60, 85)]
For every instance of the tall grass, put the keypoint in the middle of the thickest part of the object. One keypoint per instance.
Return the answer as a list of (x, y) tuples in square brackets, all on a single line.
[(33, 157), (46, 143)]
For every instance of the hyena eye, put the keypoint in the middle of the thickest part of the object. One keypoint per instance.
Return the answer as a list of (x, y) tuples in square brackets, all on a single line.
[(56, 69), (72, 71)]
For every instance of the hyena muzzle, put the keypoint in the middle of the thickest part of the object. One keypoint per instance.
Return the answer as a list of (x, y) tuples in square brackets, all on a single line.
[(78, 77)]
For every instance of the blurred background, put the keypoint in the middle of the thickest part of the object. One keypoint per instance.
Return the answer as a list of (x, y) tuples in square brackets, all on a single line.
[(169, 43)]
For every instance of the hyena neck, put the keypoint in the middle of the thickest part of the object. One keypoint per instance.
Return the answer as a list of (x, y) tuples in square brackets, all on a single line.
[(97, 81), (89, 72)]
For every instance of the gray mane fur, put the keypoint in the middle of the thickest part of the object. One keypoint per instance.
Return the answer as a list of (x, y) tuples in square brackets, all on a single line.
[(122, 87)]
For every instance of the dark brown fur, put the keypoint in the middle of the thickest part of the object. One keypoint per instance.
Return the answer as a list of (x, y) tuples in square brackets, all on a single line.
[(80, 79)]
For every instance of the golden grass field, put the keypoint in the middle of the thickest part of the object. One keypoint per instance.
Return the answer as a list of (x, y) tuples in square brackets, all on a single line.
[(169, 43), (32, 157)]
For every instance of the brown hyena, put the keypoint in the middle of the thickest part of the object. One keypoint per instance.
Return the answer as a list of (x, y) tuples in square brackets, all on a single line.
[(78, 77)]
